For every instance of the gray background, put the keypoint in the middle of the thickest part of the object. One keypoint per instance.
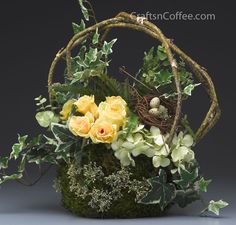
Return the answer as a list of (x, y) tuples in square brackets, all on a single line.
[(31, 34)]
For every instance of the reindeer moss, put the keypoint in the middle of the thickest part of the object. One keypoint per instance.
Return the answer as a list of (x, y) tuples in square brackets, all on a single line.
[(124, 207)]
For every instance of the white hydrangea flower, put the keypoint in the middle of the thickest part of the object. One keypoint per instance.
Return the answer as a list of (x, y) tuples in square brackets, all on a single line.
[(182, 151), (133, 145), (158, 161), (122, 153)]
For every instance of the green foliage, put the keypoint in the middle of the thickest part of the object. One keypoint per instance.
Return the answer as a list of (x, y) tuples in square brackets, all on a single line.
[(202, 184), (73, 91), (3, 162), (161, 192), (107, 47), (157, 72), (45, 118), (18, 147), (91, 62), (95, 37), (66, 142), (187, 178), (61, 133), (84, 9), (188, 89), (41, 103), (215, 206), (77, 28), (132, 124)]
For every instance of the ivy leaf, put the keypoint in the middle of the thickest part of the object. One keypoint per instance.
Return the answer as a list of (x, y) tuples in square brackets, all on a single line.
[(15, 176), (107, 47), (91, 56), (84, 9), (163, 77), (64, 147), (161, 192), (61, 133), (18, 147), (78, 28), (188, 89), (215, 206), (4, 162), (95, 37), (186, 177), (202, 184), (161, 54), (184, 198)]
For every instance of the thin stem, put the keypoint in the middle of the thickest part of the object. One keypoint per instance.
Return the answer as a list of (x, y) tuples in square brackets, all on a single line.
[(42, 173), (92, 10), (122, 70)]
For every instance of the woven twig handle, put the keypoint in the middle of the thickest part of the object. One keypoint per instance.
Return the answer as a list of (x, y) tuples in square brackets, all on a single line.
[(126, 20)]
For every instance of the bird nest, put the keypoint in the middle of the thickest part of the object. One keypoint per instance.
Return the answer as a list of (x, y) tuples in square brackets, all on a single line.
[(142, 109)]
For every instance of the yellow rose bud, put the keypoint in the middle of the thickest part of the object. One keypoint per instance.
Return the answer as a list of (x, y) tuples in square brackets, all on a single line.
[(103, 132), (86, 104), (66, 109), (81, 125)]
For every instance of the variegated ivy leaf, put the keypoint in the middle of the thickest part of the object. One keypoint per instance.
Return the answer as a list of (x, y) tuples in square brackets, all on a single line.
[(91, 55), (84, 9), (203, 184), (188, 89), (107, 47), (161, 192), (62, 133), (187, 178), (95, 37), (215, 206), (18, 147), (16, 176), (77, 28), (4, 162)]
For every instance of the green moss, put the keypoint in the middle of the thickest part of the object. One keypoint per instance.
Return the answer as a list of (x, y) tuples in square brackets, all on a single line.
[(123, 207)]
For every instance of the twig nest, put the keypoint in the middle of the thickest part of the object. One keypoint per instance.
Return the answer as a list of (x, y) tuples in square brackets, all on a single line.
[(161, 116), (155, 102)]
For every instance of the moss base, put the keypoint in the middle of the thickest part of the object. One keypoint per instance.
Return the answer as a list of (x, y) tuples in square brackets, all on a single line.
[(124, 207)]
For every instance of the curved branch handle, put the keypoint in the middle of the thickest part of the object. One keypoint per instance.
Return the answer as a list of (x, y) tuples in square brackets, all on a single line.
[(126, 20)]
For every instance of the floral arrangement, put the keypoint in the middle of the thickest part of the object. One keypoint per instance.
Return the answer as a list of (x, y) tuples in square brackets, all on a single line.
[(122, 148)]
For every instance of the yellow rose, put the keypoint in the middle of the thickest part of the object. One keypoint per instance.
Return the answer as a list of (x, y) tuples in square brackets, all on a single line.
[(81, 125), (113, 110), (86, 104), (66, 109), (116, 99), (103, 132)]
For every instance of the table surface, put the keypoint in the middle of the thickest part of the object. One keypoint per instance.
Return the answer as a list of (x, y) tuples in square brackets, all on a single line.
[(41, 205)]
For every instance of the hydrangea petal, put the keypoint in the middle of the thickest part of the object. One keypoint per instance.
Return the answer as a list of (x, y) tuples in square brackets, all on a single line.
[(187, 140), (160, 161), (128, 145), (124, 156), (159, 140), (178, 154), (155, 131)]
